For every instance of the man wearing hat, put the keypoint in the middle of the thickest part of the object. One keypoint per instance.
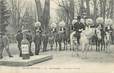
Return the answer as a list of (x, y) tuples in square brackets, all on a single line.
[(4, 44), (19, 38), (37, 41), (78, 27)]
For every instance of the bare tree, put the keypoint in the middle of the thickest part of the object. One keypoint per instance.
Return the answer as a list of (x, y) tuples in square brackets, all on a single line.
[(16, 10)]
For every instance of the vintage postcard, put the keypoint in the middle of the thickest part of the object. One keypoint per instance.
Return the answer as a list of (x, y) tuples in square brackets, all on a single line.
[(56, 36)]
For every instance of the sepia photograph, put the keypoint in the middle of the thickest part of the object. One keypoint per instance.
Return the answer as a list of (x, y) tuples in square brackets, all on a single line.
[(56, 36)]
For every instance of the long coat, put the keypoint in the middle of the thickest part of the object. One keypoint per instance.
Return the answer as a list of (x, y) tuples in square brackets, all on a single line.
[(19, 37), (77, 27)]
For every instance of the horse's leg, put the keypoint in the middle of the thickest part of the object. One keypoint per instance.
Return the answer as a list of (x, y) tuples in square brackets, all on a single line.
[(96, 44), (91, 44), (30, 51), (102, 44), (71, 44), (106, 47), (39, 46), (64, 44), (52, 44), (60, 46), (56, 44)]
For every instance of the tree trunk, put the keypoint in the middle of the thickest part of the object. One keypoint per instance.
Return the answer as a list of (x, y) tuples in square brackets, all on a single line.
[(95, 11), (101, 7), (104, 8), (112, 8), (81, 7), (46, 15), (39, 10), (88, 8)]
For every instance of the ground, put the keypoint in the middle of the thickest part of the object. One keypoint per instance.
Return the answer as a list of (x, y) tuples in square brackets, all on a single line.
[(67, 62)]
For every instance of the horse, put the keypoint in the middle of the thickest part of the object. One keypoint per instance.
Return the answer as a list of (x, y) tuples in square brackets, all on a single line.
[(61, 37), (73, 41), (100, 39), (86, 35), (107, 40), (100, 34), (52, 37), (37, 41)]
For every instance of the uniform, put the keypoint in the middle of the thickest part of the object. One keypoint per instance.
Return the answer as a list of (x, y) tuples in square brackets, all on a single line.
[(37, 41), (78, 26), (108, 29), (19, 38), (4, 45)]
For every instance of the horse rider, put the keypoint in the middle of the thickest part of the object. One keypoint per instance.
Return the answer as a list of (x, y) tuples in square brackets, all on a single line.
[(4, 44), (19, 38), (100, 27), (78, 27), (29, 38), (108, 28)]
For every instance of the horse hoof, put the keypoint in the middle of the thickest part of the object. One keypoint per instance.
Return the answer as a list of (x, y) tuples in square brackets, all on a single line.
[(20, 55), (1, 57), (31, 54), (37, 54)]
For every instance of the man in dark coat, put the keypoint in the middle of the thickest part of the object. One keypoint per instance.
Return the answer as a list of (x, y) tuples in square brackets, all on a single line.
[(4, 44), (37, 41), (78, 27), (29, 38), (19, 38)]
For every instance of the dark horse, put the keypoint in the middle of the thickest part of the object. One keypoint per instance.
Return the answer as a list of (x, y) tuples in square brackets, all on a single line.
[(61, 37), (52, 37), (100, 34)]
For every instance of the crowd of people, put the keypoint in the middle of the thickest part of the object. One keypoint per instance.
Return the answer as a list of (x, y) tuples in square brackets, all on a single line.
[(40, 36), (102, 31)]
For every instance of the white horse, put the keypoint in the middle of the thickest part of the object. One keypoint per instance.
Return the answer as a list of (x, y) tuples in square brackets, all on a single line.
[(108, 30), (86, 35), (84, 40), (73, 41), (107, 40)]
